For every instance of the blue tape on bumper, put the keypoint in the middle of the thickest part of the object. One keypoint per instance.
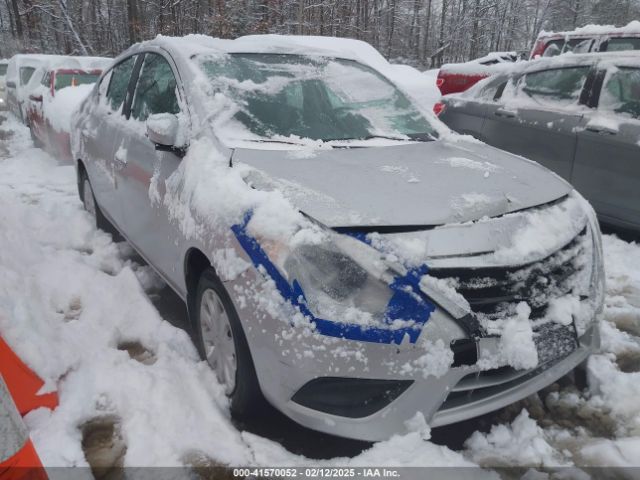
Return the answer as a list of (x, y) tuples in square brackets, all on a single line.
[(407, 301)]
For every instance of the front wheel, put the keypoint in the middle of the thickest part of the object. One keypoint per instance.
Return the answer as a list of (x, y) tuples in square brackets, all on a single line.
[(88, 199), (220, 340), (91, 206)]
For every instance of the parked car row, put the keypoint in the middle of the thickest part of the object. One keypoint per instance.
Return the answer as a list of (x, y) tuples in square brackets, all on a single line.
[(33, 85), (386, 298), (578, 115), (458, 77)]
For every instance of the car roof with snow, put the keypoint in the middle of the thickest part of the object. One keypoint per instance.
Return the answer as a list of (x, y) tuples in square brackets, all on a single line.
[(632, 27), (193, 45), (622, 58)]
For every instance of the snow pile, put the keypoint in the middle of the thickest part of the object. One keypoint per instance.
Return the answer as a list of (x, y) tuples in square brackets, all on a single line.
[(420, 86), (545, 230), (522, 443), (59, 110), (495, 62)]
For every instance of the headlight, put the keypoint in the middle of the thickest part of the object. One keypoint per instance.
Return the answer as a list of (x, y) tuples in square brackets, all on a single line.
[(347, 287), (335, 286)]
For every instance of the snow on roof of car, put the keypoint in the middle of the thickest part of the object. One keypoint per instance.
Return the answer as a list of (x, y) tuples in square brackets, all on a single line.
[(630, 57), (478, 66), (87, 63), (631, 27), (190, 45)]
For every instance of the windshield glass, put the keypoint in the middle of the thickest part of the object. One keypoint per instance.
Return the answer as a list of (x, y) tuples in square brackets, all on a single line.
[(74, 79), (314, 97), (3, 69)]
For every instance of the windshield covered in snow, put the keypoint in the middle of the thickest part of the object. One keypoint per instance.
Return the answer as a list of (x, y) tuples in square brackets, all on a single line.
[(290, 96)]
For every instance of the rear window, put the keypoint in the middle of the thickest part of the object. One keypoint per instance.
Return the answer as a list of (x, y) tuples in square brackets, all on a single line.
[(558, 86), (25, 74), (74, 79), (621, 44), (575, 45), (621, 92), (3, 69)]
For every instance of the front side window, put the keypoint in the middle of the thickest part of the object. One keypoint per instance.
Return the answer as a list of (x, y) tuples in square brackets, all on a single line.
[(156, 89), (621, 92), (120, 83), (560, 86), (319, 98), (25, 74)]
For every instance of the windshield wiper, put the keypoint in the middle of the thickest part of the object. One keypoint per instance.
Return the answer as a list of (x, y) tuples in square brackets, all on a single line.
[(420, 137), (268, 140)]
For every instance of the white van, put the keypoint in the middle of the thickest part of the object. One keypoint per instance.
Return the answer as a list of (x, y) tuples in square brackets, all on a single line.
[(19, 71)]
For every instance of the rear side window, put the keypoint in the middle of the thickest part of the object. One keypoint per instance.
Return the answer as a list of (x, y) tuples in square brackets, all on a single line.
[(493, 89), (25, 74), (156, 89), (3, 69), (64, 80), (621, 92), (619, 44), (557, 86), (120, 82), (575, 45)]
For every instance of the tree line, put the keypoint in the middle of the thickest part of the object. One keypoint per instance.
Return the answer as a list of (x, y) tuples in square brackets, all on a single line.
[(424, 33)]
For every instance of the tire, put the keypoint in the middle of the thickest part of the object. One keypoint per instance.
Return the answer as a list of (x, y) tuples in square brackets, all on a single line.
[(91, 205), (244, 393), (36, 141)]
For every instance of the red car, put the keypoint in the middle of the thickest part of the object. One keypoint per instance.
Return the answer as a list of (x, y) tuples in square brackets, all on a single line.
[(458, 77), (592, 38), (49, 114)]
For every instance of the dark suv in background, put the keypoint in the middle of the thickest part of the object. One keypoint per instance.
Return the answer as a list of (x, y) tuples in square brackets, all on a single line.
[(578, 115)]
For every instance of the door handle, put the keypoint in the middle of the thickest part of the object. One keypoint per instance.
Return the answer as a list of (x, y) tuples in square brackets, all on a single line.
[(601, 130), (501, 112)]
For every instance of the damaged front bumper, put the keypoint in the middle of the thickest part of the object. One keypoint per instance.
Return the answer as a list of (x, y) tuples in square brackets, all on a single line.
[(318, 381)]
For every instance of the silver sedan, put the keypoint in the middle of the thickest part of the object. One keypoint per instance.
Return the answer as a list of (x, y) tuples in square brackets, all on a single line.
[(425, 276)]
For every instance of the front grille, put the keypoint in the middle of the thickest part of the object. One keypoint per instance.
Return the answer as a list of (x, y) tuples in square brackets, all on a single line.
[(494, 292)]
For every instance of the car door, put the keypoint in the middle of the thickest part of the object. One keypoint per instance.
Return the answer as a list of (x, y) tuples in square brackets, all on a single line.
[(147, 219), (102, 134), (466, 113), (36, 102), (538, 115), (607, 163)]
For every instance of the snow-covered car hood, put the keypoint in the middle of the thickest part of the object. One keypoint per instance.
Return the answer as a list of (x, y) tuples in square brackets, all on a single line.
[(416, 184)]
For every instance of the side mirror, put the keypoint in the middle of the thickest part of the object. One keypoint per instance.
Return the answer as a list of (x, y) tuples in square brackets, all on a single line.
[(11, 84), (162, 129)]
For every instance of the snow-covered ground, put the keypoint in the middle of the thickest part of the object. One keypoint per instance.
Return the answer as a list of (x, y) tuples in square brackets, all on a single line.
[(76, 307)]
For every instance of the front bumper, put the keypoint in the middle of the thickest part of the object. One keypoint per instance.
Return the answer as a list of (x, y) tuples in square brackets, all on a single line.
[(288, 355), (445, 400)]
